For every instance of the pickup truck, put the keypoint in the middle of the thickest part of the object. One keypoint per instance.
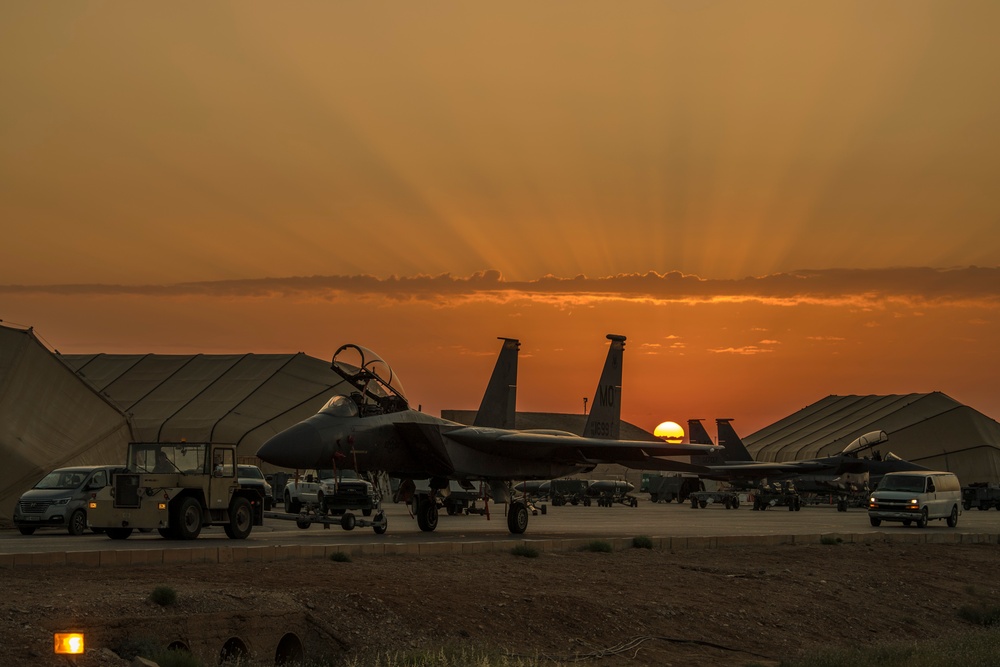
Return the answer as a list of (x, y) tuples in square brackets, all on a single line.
[(330, 491)]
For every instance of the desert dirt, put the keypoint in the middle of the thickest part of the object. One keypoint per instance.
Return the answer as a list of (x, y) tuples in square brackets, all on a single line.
[(727, 605)]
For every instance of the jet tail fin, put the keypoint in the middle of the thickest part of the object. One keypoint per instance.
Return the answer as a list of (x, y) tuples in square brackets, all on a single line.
[(698, 435), (604, 420), (500, 400), (735, 450)]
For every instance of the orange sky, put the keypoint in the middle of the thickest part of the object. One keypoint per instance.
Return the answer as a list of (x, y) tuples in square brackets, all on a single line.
[(238, 146)]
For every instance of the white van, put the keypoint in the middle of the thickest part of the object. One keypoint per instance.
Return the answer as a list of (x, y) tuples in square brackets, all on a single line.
[(916, 496)]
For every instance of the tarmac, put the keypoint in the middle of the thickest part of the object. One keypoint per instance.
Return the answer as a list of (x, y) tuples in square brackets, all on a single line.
[(565, 528)]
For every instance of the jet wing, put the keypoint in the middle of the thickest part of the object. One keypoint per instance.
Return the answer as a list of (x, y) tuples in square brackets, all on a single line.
[(569, 448), (754, 470)]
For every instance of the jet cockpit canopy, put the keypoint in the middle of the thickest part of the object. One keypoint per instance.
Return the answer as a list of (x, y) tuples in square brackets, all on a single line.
[(376, 387), (864, 443)]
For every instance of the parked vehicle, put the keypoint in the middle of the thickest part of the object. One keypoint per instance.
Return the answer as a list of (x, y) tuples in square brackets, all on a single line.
[(981, 495), (330, 491), (250, 477), (177, 488), (916, 497), (59, 500)]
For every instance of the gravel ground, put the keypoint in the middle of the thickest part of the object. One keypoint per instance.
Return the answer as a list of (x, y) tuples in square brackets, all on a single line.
[(730, 606)]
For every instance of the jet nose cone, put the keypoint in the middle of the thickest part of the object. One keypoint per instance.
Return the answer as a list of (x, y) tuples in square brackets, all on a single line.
[(300, 446)]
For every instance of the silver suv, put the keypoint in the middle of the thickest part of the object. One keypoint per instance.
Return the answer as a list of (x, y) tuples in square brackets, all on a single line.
[(60, 499)]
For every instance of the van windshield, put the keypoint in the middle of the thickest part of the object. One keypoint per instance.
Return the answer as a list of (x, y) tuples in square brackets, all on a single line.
[(906, 483), (62, 479)]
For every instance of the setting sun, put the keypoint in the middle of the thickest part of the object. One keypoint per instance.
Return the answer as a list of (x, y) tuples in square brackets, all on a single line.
[(669, 431)]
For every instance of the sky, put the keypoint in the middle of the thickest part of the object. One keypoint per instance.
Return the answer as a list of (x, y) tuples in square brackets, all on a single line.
[(774, 201)]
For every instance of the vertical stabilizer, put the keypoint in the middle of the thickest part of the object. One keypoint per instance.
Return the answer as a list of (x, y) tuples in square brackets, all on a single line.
[(500, 400), (604, 420), (697, 435), (735, 451)]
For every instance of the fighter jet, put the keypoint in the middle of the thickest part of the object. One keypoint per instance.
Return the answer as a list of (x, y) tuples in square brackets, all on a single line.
[(373, 428), (851, 470)]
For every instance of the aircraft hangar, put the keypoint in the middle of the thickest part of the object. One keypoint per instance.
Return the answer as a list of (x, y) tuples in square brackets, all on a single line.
[(931, 429), (83, 409), (58, 410)]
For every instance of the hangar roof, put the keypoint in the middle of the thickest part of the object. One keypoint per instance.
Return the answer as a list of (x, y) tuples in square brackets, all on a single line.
[(241, 399), (932, 429)]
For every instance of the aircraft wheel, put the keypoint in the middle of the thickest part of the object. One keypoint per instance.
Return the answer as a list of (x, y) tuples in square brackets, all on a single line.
[(922, 521), (119, 533), (953, 518), (703, 504), (188, 519), (380, 524), (875, 522), (240, 519), (347, 522), (517, 518), (427, 515), (77, 522)]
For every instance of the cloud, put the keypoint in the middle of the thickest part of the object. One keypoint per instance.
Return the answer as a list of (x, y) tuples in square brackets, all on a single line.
[(746, 350), (859, 288)]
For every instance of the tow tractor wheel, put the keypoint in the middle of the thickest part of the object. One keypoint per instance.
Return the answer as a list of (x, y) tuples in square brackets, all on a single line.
[(427, 514), (347, 522), (188, 519), (240, 519), (517, 518), (379, 523), (166, 533), (119, 533)]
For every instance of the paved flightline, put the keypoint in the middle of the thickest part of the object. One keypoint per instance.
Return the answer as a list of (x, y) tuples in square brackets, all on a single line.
[(672, 526)]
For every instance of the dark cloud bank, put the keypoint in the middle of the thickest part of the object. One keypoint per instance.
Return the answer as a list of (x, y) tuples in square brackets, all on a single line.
[(918, 285)]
